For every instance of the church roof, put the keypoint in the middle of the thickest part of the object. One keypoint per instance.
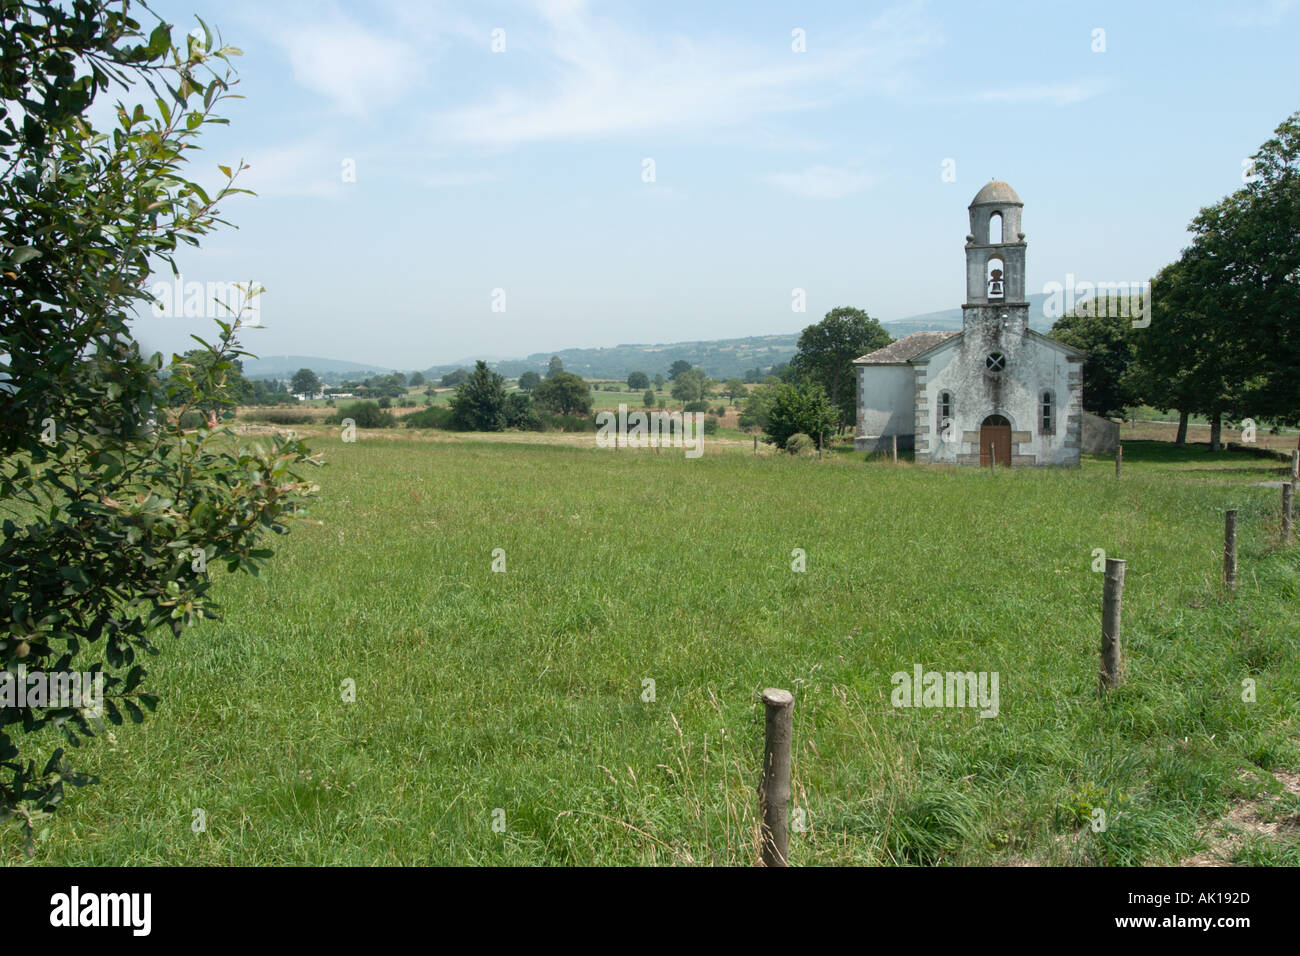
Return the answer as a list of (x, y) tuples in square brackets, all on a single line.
[(996, 191), (905, 349)]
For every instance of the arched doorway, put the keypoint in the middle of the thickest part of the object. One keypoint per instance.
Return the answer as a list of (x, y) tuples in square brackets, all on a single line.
[(995, 440)]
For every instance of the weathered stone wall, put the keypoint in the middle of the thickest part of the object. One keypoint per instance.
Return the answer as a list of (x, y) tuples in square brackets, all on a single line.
[(1100, 435)]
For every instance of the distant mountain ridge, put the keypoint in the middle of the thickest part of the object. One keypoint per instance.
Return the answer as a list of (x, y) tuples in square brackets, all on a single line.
[(720, 358), (283, 366)]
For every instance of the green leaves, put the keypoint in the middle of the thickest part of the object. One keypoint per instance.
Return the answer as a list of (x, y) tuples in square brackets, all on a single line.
[(111, 496)]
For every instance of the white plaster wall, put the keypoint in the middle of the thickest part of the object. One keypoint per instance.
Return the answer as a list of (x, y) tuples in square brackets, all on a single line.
[(1032, 367), (886, 400)]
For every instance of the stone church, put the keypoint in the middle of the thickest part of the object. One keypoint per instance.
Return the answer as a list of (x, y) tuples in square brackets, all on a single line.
[(996, 388)]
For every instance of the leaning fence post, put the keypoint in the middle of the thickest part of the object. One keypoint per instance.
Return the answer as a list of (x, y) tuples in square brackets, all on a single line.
[(1119, 458), (1112, 653), (1287, 499), (1230, 548), (774, 786)]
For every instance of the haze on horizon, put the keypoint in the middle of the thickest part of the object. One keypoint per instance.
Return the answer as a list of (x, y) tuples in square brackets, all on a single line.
[(405, 171)]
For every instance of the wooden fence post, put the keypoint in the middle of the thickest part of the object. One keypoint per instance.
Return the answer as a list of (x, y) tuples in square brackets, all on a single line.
[(755, 444), (895, 443), (993, 457), (1119, 458), (1287, 500), (1230, 548), (774, 787), (1295, 466), (1112, 653)]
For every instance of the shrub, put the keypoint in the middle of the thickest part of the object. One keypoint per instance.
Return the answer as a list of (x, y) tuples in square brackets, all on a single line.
[(435, 416), (799, 409), (278, 416), (365, 414), (800, 444), (120, 516), (568, 423), (710, 425), (697, 406)]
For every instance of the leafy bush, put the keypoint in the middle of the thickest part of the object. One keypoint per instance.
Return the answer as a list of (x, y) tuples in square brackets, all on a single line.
[(799, 408), (365, 415), (115, 520), (435, 416), (710, 425), (696, 406), (278, 416), (800, 444)]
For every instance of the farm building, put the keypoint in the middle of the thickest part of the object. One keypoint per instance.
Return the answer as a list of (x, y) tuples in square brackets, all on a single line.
[(996, 388)]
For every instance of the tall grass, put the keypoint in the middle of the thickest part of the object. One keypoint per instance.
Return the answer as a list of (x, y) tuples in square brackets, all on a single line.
[(524, 691)]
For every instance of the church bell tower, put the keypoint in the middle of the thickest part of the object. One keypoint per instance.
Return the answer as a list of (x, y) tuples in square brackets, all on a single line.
[(995, 263)]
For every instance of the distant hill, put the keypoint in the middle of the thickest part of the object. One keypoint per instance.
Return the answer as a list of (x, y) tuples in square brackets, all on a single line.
[(949, 320), (720, 358), (283, 366)]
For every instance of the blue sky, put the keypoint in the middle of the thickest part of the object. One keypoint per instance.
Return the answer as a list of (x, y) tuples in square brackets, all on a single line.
[(823, 170)]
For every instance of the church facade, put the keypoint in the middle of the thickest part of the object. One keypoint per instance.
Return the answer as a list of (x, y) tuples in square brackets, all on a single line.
[(996, 390)]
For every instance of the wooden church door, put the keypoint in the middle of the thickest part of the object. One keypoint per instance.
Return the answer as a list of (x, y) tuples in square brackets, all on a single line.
[(995, 438)]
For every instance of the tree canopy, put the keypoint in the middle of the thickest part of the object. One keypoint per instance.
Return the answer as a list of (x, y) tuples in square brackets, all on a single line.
[(826, 354)]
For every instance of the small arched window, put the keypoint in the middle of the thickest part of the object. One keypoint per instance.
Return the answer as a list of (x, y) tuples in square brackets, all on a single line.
[(995, 228), (1047, 415)]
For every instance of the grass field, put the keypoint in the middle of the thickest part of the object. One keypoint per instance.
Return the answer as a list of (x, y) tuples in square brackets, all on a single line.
[(520, 698)]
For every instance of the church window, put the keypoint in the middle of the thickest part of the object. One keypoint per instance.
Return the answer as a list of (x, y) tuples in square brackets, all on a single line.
[(995, 362), (995, 228), (1048, 415), (945, 410)]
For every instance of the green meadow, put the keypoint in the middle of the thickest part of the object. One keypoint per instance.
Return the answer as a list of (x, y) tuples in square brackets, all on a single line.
[(596, 702)]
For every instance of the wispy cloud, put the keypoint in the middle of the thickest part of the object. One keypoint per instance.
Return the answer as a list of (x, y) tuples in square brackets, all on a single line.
[(356, 69), (603, 80), (822, 182)]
